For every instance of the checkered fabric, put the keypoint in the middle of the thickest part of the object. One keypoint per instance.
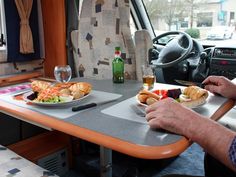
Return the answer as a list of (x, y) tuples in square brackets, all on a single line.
[(232, 152), (11, 164)]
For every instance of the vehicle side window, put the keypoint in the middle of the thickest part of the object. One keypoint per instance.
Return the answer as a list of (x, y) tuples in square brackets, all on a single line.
[(2, 25), (2, 33)]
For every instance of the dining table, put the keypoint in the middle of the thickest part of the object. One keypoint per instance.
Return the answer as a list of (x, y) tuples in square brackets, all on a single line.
[(117, 125)]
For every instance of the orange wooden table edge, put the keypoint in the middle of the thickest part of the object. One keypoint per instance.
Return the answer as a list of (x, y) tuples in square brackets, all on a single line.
[(135, 150), (17, 78)]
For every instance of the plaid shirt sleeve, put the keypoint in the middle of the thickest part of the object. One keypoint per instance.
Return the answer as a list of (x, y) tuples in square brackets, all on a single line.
[(232, 152)]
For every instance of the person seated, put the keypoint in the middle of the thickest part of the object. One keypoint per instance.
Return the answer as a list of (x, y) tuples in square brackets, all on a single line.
[(217, 140)]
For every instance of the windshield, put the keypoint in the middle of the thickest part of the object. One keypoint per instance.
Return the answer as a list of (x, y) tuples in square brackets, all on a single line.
[(196, 17)]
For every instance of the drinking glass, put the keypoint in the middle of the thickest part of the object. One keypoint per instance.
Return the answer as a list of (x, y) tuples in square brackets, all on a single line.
[(62, 73), (148, 77)]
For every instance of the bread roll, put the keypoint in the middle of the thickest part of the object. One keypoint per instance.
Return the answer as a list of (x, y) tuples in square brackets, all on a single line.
[(151, 100), (142, 98), (197, 96), (195, 92), (77, 95), (81, 87), (65, 92), (149, 94), (39, 86), (147, 97), (64, 85)]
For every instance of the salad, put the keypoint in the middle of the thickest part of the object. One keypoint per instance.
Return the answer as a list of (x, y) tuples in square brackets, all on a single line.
[(58, 93)]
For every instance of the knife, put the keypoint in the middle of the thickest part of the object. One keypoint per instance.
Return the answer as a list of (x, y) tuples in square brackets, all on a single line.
[(190, 83), (90, 105), (140, 111)]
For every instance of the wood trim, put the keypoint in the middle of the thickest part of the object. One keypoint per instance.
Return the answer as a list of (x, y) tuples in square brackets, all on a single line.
[(43, 145), (19, 78), (135, 150), (55, 34)]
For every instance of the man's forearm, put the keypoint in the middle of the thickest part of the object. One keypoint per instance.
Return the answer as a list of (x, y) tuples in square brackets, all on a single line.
[(214, 138)]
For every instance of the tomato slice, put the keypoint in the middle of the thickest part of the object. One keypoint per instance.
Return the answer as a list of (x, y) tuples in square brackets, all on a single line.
[(173, 93), (162, 93)]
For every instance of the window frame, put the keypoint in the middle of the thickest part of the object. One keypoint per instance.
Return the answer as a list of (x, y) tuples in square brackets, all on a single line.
[(141, 16), (2, 26)]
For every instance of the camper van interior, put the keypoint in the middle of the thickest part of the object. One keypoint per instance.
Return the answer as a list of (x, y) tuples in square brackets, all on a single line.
[(78, 79)]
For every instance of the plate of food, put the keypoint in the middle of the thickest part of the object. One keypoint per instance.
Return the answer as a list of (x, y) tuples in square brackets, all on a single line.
[(191, 97), (60, 94)]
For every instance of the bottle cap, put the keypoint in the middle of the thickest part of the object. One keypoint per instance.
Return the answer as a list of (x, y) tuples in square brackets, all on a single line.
[(117, 48)]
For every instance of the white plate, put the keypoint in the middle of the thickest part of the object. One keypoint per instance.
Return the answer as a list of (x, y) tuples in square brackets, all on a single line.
[(191, 104), (25, 97), (142, 104), (195, 103)]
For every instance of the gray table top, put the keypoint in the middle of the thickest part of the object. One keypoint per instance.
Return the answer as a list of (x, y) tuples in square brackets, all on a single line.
[(131, 131), (127, 130), (134, 133)]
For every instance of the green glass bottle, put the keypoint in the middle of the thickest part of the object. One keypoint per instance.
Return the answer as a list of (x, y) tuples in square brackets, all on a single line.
[(118, 67)]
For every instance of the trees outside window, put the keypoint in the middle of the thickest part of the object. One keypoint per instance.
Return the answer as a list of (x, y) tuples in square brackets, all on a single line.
[(173, 12)]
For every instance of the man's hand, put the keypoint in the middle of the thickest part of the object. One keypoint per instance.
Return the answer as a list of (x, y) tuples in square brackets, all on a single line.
[(220, 85), (170, 115)]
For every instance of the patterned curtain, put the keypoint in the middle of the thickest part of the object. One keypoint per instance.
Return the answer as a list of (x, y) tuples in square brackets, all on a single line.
[(103, 25)]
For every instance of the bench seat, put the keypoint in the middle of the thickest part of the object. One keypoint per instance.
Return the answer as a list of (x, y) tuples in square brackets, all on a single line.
[(11, 164)]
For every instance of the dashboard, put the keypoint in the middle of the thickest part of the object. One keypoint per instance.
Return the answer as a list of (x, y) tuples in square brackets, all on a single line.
[(203, 60), (223, 62), (225, 53)]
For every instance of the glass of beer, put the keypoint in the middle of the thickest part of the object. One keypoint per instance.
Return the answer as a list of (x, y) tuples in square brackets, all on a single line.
[(148, 77)]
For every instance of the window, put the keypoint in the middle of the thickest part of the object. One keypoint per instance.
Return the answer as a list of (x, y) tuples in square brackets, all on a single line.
[(204, 19), (132, 26), (184, 24), (2, 24), (231, 16), (198, 15)]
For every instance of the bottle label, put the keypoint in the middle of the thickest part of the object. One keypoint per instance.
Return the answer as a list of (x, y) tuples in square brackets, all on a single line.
[(118, 67)]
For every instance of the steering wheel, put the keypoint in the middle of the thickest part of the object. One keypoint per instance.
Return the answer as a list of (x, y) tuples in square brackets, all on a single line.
[(175, 51)]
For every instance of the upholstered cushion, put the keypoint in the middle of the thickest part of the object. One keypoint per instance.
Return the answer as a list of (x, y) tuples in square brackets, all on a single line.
[(11, 164), (143, 43), (104, 25)]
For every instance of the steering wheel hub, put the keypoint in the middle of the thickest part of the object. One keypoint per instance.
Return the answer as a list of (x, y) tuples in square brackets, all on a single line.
[(175, 51)]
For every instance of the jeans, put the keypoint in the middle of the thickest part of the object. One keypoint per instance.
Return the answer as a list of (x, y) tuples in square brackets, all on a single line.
[(213, 168)]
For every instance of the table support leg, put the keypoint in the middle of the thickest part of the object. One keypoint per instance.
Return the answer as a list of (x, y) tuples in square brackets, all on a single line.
[(105, 162)]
